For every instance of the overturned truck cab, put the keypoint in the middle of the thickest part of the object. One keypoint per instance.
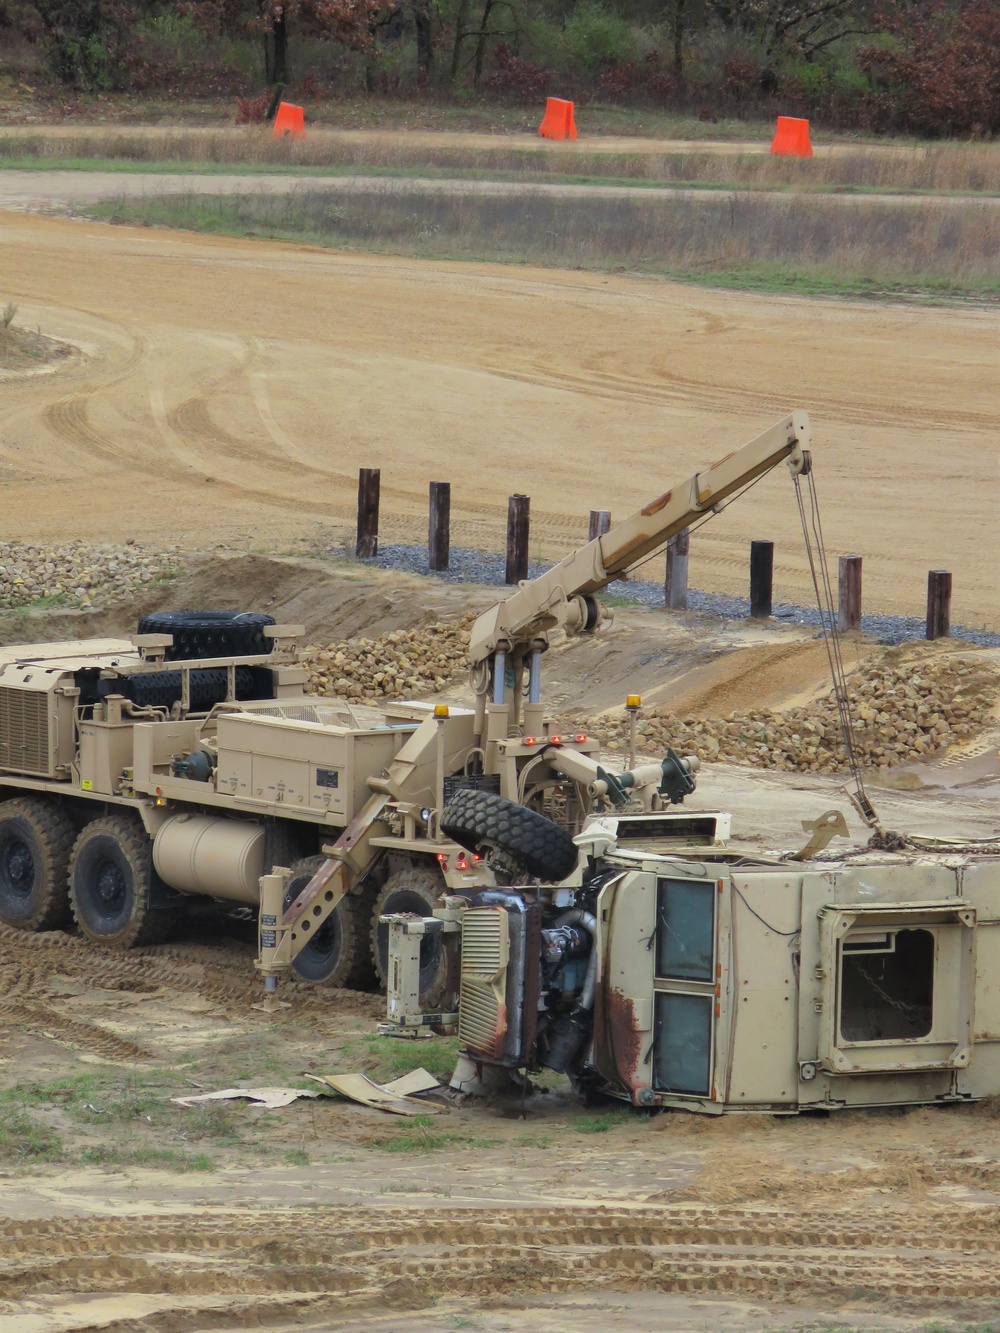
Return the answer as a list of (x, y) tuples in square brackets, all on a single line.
[(669, 970)]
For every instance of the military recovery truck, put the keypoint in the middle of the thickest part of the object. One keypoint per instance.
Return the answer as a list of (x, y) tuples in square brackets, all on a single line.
[(188, 761)]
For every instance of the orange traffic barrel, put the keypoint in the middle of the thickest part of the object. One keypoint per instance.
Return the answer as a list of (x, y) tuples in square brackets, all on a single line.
[(289, 119), (559, 121), (791, 138)]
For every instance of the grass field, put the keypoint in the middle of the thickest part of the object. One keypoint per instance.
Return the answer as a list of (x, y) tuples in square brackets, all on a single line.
[(740, 239)]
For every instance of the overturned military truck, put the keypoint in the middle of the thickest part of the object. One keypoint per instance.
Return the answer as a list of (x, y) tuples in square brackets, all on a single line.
[(671, 970)]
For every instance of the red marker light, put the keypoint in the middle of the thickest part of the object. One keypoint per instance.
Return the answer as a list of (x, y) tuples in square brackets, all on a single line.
[(529, 740), (476, 856), (443, 858), (462, 863), (555, 740), (581, 738)]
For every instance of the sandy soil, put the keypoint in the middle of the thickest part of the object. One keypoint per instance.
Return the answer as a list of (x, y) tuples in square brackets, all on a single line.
[(228, 391)]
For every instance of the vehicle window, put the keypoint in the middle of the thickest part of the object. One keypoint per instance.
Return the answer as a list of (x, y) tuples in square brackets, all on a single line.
[(887, 988), (682, 1043), (685, 930)]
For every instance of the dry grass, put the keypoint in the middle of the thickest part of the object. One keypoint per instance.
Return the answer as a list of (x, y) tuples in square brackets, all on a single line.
[(942, 167), (800, 243), (21, 349)]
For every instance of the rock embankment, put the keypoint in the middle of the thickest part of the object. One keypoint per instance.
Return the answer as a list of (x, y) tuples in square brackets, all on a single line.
[(406, 662), (900, 713), (79, 574)]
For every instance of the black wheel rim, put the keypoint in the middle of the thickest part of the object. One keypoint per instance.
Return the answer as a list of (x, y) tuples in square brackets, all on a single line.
[(324, 947), (17, 865), (110, 887)]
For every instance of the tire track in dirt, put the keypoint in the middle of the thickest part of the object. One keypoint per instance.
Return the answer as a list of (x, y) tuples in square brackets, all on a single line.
[(69, 417), (191, 420), (221, 973), (40, 1019), (734, 400), (923, 1257)]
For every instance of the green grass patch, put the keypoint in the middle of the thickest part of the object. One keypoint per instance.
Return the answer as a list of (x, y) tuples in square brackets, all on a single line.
[(424, 1133), (386, 1058), (601, 1124), (146, 1155), (25, 1140)]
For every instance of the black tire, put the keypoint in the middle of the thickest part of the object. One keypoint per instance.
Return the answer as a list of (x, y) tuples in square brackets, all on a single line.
[(481, 819), (337, 955), (418, 891), (36, 839), (200, 634), (109, 884)]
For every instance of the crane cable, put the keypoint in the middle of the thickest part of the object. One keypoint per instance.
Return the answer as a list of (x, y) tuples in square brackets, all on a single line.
[(820, 572)]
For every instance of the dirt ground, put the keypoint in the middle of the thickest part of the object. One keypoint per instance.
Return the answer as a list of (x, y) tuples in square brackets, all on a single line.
[(227, 391)]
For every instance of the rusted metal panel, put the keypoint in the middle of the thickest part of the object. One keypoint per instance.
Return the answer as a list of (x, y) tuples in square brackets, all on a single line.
[(626, 1039), (656, 505)]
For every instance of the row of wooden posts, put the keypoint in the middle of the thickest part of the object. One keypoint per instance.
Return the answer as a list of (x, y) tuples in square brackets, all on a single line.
[(678, 548)]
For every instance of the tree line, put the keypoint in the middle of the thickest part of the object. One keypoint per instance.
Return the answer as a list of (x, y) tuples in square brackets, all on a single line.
[(925, 66)]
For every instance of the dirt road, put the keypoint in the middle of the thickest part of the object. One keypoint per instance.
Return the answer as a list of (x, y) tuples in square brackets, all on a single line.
[(34, 190), (229, 390)]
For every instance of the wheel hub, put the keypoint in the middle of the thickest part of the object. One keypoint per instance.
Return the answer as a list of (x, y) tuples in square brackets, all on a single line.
[(110, 884), (19, 867)]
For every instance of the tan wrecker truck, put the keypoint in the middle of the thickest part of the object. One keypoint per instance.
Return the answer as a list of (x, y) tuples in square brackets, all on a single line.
[(188, 761)]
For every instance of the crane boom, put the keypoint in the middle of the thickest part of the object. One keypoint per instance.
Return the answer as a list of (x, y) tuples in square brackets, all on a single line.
[(563, 594)]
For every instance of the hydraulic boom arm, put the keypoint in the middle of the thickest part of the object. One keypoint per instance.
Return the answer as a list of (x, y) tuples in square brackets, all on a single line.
[(563, 595)]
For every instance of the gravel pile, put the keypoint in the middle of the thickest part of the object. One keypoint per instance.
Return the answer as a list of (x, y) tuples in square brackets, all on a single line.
[(78, 574), (900, 713), (468, 566), (407, 662)]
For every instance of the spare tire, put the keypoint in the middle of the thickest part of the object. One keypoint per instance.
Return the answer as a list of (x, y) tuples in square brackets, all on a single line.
[(476, 819), (200, 634)]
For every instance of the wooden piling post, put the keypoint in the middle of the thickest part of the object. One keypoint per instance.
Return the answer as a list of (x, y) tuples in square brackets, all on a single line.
[(849, 592), (761, 579), (938, 603), (369, 482), (439, 525), (600, 523), (517, 538), (675, 586)]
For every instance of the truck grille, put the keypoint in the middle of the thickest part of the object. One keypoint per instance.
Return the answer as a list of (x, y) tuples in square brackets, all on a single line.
[(482, 1012), (24, 731)]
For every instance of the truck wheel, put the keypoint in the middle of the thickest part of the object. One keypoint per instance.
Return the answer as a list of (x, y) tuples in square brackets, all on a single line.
[(477, 819), (418, 891), (35, 843), (336, 955), (200, 634), (109, 882)]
